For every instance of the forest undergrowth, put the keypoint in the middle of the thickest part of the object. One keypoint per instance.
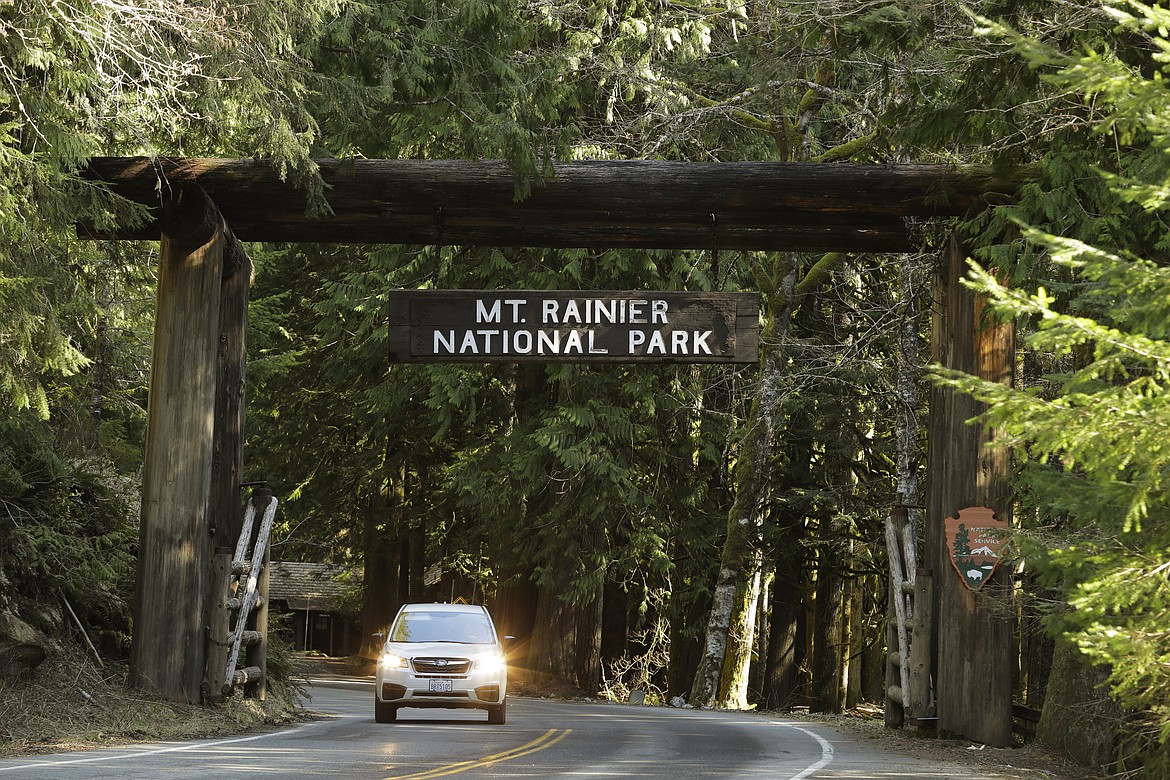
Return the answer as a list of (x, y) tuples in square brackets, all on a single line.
[(70, 702)]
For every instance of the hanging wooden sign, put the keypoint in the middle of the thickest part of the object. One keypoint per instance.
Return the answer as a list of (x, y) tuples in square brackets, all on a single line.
[(518, 326), (974, 539)]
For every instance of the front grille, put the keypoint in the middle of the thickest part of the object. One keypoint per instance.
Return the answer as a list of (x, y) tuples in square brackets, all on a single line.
[(442, 695), (441, 665)]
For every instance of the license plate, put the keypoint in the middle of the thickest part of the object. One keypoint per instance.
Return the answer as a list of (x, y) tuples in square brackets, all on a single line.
[(439, 686)]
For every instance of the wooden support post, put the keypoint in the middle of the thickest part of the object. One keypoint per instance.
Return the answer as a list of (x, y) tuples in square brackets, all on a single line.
[(895, 712), (922, 651), (218, 626), (974, 629), (226, 506), (224, 503), (171, 590)]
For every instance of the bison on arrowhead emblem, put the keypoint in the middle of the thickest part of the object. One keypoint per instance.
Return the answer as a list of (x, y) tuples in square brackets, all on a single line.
[(974, 539)]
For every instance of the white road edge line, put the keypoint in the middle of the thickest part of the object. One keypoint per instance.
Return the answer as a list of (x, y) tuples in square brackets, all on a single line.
[(159, 751), (826, 753)]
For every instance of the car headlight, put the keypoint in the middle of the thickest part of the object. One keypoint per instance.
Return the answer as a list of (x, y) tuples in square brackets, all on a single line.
[(491, 663), (392, 661)]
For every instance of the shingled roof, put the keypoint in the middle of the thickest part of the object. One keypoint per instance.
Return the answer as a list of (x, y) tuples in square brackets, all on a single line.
[(306, 586)]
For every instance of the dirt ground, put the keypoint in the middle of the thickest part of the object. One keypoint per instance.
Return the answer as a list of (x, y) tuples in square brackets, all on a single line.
[(1031, 760)]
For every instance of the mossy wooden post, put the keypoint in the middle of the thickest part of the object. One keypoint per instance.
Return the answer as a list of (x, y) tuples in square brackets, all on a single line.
[(168, 648), (974, 644)]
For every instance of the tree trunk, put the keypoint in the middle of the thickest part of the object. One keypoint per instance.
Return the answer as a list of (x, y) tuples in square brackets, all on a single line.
[(763, 635), (785, 641), (854, 642), (97, 397), (1079, 718), (733, 683), (686, 612), (873, 656), (417, 536), (588, 641), (514, 612), (380, 597), (737, 562), (909, 369), (615, 628), (909, 463), (727, 605), (566, 642), (826, 665)]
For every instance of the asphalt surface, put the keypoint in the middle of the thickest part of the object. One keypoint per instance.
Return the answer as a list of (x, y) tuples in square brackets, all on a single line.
[(542, 739)]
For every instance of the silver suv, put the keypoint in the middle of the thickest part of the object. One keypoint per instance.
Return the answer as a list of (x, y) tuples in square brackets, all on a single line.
[(441, 655)]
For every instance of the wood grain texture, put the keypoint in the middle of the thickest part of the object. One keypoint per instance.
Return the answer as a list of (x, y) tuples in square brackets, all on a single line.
[(626, 203), (974, 662), (174, 553)]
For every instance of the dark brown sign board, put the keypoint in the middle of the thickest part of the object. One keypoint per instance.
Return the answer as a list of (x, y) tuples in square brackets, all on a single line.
[(565, 326)]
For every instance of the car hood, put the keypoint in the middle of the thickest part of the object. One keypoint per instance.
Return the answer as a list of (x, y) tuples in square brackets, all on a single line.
[(440, 649)]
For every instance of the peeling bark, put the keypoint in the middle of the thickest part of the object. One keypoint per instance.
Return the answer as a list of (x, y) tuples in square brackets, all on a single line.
[(751, 486), (733, 682)]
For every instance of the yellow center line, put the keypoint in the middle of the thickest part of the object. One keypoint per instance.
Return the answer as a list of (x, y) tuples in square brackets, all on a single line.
[(545, 740)]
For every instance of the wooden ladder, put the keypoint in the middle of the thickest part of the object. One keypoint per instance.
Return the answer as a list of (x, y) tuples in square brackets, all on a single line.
[(909, 692), (237, 592)]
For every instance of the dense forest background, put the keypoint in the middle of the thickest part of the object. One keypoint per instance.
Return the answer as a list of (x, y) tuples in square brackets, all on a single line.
[(596, 508)]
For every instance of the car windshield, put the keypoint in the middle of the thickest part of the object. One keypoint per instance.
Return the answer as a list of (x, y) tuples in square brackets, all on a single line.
[(465, 627)]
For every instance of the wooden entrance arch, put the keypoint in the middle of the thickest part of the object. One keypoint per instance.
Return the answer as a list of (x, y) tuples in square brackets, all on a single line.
[(203, 208)]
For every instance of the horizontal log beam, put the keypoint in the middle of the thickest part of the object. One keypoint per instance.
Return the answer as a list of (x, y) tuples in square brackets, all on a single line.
[(242, 677), (632, 203), (235, 604)]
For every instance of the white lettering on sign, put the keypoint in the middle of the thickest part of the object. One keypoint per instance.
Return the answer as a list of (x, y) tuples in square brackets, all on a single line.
[(590, 311), (575, 341), (571, 326), (682, 342), (485, 314)]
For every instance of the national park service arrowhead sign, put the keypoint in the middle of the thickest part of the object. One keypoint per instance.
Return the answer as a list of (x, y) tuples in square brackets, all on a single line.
[(974, 539)]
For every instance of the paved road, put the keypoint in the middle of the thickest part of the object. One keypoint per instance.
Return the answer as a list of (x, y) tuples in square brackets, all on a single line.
[(542, 739)]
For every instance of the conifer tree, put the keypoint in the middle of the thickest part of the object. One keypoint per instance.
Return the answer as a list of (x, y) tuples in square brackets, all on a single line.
[(1092, 435)]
